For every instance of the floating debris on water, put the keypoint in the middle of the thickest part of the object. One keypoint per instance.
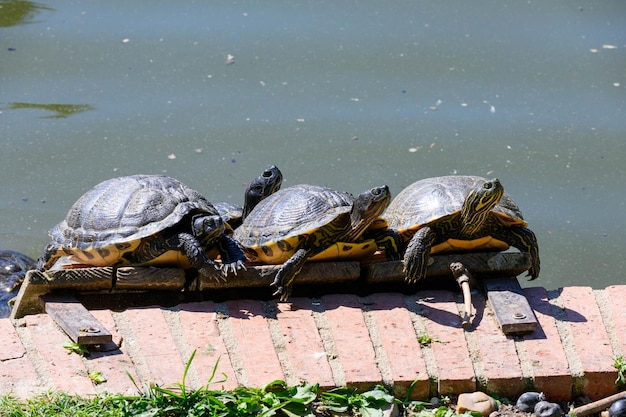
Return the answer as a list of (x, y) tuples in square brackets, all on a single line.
[(437, 104), (230, 59)]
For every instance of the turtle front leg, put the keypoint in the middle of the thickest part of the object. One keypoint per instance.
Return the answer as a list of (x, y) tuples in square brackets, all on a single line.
[(525, 240), (232, 254), (392, 243), (287, 274), (417, 255), (198, 258)]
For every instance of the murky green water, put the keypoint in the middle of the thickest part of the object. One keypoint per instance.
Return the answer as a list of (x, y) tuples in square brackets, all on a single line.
[(345, 93)]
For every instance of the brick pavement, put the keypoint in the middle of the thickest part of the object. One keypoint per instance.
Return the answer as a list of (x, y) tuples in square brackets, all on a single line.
[(335, 340)]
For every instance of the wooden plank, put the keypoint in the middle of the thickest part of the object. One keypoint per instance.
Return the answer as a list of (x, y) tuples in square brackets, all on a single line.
[(132, 279), (510, 306), (480, 264), (75, 320), (38, 283), (312, 273)]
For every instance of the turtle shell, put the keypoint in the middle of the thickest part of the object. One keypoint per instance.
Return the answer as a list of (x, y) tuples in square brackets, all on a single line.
[(273, 230), (13, 268), (116, 215), (438, 199), (231, 213)]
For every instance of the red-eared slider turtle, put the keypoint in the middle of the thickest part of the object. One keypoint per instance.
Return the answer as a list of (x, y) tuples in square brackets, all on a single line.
[(264, 185), (298, 222), (144, 220), (13, 268), (455, 214)]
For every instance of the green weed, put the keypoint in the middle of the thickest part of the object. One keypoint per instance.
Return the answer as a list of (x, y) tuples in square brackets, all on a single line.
[(619, 363), (274, 399)]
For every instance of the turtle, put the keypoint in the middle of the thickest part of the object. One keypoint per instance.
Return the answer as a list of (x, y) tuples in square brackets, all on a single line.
[(618, 408), (454, 213), (296, 223), (13, 268), (265, 184), (142, 220)]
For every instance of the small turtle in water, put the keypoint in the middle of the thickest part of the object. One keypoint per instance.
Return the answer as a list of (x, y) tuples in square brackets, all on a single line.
[(264, 185), (144, 220), (618, 408), (13, 268), (296, 223), (454, 214)]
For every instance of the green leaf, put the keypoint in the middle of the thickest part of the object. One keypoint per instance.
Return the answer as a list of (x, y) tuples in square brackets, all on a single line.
[(72, 347), (379, 395), (620, 364), (97, 377)]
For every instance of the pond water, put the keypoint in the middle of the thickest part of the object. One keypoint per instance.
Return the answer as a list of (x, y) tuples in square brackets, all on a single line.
[(348, 94)]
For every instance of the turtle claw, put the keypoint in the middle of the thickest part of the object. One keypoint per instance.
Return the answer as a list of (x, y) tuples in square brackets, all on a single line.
[(281, 291), (233, 267), (275, 283)]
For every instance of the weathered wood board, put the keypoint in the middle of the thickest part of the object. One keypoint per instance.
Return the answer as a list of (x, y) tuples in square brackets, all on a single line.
[(131, 279), (483, 264), (39, 283), (75, 320), (510, 306), (146, 279)]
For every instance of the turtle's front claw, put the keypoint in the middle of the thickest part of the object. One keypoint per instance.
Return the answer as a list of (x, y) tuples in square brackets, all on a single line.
[(233, 267)]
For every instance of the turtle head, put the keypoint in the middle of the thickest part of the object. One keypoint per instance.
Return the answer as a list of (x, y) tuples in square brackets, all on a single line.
[(478, 204), (207, 228), (367, 207), (264, 185)]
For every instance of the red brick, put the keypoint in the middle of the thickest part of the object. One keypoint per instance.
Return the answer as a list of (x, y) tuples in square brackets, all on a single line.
[(17, 374), (113, 364), (498, 355), (616, 294), (354, 348), (67, 371), (200, 330), (156, 343), (545, 352), (400, 344), (455, 372), (10, 344), (591, 341), (256, 349), (303, 343)]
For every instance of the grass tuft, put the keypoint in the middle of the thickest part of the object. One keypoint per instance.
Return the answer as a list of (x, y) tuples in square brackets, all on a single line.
[(274, 399)]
